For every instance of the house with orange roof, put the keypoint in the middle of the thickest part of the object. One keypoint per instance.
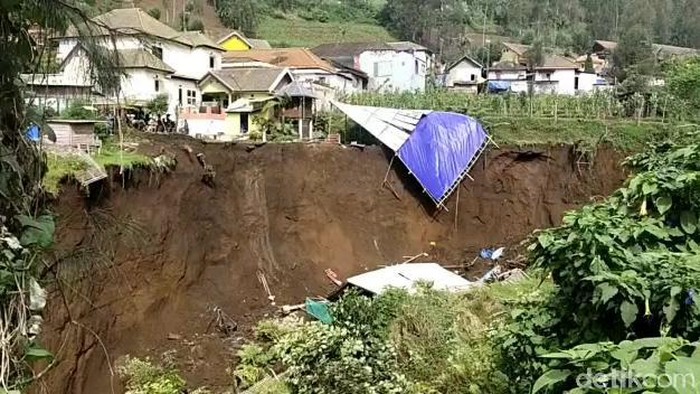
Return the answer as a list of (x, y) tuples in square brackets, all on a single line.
[(326, 79)]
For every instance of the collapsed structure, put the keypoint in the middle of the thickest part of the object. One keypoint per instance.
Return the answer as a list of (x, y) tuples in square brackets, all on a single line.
[(438, 148)]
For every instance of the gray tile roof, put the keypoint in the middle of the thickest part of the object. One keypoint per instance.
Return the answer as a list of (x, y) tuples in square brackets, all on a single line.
[(249, 79), (141, 58)]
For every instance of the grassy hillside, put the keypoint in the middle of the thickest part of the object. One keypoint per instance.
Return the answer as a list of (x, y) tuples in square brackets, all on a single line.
[(212, 24), (290, 31), (296, 32)]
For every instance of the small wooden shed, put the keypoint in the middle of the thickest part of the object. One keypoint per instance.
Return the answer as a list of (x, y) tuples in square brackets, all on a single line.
[(76, 133)]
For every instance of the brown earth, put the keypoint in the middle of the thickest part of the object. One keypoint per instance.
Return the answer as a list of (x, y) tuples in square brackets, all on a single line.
[(143, 257)]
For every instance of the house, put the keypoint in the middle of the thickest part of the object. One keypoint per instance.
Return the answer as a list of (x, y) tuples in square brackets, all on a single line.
[(391, 66), (465, 74), (154, 58), (597, 62), (514, 53), (243, 93), (326, 79), (236, 41), (57, 91), (662, 52), (556, 75)]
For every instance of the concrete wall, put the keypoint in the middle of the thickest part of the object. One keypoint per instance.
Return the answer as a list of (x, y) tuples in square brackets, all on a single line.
[(394, 70), (586, 82), (565, 80), (464, 72)]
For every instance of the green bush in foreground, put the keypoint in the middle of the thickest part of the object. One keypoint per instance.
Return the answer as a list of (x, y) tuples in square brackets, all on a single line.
[(625, 269), (428, 342), (144, 377)]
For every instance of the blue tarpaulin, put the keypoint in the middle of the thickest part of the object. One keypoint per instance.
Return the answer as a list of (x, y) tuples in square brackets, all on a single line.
[(439, 148), (498, 86), (34, 133), (440, 151)]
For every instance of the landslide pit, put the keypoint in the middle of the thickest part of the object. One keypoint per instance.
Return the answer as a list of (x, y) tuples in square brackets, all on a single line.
[(143, 256)]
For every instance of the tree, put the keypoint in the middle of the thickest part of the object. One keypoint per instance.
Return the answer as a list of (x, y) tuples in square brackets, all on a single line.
[(22, 168), (683, 81), (588, 66), (159, 105), (154, 12), (634, 49), (239, 14)]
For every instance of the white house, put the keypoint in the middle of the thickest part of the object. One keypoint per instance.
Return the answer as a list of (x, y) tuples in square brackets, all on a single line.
[(556, 75), (154, 58), (392, 66), (464, 75)]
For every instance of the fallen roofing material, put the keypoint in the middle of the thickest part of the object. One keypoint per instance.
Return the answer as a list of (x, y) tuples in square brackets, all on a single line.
[(407, 276), (438, 148)]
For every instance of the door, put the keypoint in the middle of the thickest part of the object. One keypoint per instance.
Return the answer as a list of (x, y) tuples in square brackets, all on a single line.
[(244, 123)]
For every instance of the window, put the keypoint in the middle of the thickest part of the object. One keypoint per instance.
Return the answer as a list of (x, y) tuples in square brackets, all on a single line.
[(157, 52), (473, 77), (157, 85), (417, 68), (212, 62), (576, 83), (382, 69), (179, 95), (191, 97)]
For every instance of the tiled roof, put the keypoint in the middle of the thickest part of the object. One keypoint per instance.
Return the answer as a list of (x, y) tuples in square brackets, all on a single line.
[(556, 61), (659, 49), (249, 79), (141, 58), (197, 39), (297, 58), (135, 21), (519, 49), (355, 48)]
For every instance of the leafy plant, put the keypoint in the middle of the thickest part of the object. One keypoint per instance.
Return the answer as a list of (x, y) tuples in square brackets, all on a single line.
[(650, 365), (143, 377), (626, 268)]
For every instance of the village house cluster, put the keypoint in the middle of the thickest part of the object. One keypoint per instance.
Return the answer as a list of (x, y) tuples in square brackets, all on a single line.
[(216, 89)]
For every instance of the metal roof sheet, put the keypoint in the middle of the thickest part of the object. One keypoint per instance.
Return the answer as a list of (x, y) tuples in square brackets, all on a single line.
[(407, 276)]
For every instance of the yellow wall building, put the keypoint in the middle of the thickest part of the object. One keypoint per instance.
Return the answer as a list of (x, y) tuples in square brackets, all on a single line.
[(237, 42)]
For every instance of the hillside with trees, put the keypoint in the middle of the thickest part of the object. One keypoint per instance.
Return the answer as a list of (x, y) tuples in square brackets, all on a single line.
[(445, 25)]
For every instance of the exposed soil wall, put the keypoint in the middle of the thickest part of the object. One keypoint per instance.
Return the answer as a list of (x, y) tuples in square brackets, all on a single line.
[(144, 256)]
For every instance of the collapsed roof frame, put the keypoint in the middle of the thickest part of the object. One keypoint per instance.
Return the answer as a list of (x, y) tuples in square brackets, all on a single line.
[(438, 148)]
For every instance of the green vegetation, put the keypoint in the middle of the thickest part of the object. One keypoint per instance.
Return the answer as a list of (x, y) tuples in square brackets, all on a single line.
[(627, 268), (25, 228), (429, 342), (541, 119), (62, 167), (297, 32), (612, 295), (570, 25)]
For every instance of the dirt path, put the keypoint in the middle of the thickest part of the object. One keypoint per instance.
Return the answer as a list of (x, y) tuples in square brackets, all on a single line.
[(141, 265)]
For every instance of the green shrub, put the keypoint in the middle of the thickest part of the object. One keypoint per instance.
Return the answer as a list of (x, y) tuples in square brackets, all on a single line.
[(626, 268), (143, 377), (155, 12)]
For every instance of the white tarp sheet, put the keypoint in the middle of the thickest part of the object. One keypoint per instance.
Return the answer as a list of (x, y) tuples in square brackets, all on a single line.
[(390, 126), (406, 276)]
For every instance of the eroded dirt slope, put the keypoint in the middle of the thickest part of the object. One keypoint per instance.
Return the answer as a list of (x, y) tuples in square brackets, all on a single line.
[(143, 257)]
